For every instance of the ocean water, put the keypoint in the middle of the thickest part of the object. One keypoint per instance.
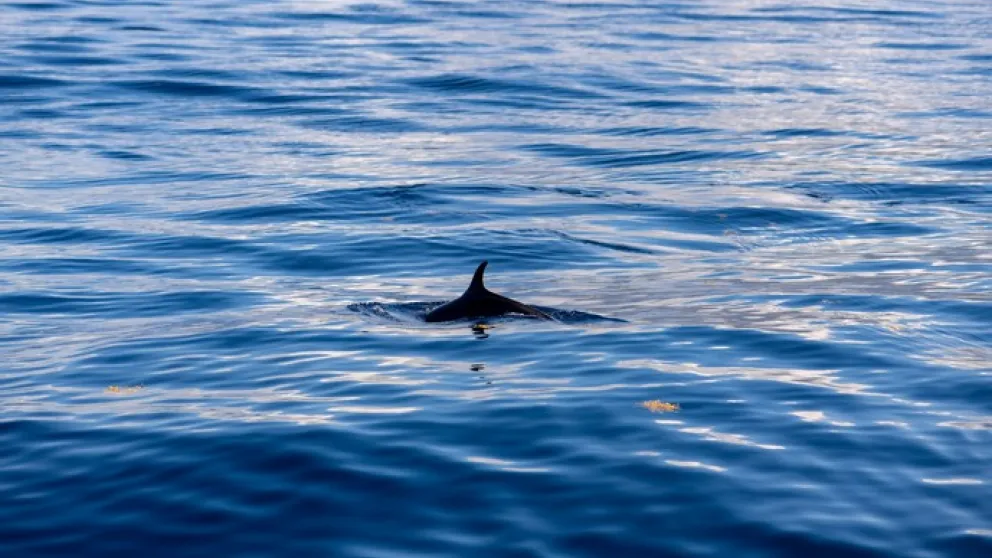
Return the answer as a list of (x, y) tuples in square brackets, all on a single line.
[(765, 228)]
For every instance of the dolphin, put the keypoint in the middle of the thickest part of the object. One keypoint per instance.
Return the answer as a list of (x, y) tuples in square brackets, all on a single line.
[(479, 302)]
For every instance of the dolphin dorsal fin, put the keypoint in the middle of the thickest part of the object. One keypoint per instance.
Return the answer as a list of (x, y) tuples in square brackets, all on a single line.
[(477, 284)]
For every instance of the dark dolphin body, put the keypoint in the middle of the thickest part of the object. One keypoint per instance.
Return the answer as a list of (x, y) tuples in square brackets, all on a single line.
[(479, 302)]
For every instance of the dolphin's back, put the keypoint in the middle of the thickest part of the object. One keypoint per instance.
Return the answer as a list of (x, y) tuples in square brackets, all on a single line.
[(479, 302), (454, 310)]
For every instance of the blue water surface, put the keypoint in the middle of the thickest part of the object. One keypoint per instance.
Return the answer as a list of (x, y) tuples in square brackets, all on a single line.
[(765, 228)]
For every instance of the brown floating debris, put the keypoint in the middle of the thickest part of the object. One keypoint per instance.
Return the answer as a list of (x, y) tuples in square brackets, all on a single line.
[(124, 389), (657, 406)]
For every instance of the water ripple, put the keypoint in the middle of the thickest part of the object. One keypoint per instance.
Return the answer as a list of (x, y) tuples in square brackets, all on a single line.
[(762, 231)]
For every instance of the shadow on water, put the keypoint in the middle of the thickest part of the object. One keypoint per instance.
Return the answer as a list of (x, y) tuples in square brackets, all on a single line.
[(415, 312)]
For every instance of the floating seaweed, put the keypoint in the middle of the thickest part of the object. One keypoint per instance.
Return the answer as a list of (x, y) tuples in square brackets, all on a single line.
[(657, 406), (124, 389)]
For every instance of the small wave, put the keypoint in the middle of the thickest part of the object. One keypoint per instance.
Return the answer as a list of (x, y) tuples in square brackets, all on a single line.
[(122, 304), (979, 164), (38, 6), (462, 83), (665, 104), (185, 88), (617, 158), (893, 193), (362, 123), (649, 131), (8, 81), (618, 246), (921, 46), (72, 61), (363, 17), (59, 235), (804, 132)]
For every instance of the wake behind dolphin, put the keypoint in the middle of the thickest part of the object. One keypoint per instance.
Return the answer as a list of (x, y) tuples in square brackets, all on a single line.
[(476, 302), (479, 302)]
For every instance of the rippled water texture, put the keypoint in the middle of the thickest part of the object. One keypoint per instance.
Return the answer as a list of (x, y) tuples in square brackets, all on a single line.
[(765, 228)]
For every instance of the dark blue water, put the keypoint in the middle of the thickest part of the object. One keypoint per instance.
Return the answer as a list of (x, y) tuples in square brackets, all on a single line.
[(221, 223)]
